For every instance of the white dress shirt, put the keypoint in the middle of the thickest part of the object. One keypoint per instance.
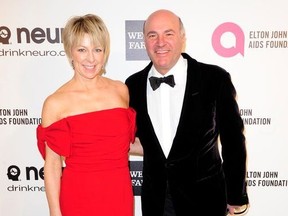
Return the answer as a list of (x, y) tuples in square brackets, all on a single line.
[(165, 104)]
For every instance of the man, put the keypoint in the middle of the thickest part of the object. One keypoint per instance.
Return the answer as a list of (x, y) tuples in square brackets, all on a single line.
[(179, 123)]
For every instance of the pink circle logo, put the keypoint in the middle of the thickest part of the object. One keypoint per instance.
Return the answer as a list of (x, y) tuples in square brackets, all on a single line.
[(237, 47)]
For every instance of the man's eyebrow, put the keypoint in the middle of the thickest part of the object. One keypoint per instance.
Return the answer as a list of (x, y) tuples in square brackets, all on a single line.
[(169, 30), (155, 32), (151, 32)]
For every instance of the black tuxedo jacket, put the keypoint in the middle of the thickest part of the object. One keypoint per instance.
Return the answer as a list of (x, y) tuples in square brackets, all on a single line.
[(200, 178)]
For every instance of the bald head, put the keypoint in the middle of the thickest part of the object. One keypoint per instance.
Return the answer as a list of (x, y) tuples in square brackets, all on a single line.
[(164, 15)]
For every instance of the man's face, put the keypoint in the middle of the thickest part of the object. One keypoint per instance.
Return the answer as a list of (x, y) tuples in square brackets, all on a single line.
[(163, 40)]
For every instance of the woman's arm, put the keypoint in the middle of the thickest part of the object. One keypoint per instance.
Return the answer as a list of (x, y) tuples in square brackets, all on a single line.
[(52, 176)]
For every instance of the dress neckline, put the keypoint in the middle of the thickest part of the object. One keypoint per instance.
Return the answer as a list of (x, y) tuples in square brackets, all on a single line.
[(85, 113)]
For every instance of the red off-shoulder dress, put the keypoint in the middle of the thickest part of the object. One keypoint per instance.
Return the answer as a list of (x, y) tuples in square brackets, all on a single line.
[(96, 180)]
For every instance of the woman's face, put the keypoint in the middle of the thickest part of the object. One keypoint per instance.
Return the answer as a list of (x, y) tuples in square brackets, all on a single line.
[(87, 59)]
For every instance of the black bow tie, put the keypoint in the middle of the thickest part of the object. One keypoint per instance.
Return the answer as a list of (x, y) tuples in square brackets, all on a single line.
[(155, 82)]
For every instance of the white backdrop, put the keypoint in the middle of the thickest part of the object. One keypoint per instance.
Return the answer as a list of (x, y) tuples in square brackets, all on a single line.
[(248, 38)]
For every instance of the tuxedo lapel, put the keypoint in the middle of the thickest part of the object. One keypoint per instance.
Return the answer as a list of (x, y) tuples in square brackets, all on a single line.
[(190, 113)]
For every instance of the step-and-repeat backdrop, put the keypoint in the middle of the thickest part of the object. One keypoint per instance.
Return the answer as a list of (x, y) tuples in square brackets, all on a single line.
[(247, 38)]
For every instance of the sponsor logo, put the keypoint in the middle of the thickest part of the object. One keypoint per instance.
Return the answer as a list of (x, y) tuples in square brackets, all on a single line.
[(20, 177), (5, 34), (231, 47), (135, 47), (228, 39), (36, 35), (14, 41), (136, 176)]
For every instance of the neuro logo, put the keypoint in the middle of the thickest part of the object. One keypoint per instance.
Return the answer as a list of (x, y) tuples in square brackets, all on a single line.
[(36, 35), (237, 45), (135, 47), (30, 173), (5, 35), (13, 173)]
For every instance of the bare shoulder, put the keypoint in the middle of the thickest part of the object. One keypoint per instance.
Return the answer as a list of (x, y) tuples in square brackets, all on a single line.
[(119, 91), (119, 86), (122, 86), (52, 108)]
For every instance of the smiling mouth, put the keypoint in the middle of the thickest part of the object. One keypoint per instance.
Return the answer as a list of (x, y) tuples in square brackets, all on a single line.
[(89, 66), (161, 51)]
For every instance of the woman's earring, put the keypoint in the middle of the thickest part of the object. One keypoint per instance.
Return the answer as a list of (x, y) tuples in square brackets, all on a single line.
[(72, 63), (103, 69)]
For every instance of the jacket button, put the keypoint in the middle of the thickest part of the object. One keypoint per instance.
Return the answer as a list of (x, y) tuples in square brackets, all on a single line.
[(169, 165)]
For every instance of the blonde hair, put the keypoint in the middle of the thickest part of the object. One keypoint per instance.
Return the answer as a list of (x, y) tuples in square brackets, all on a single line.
[(90, 24)]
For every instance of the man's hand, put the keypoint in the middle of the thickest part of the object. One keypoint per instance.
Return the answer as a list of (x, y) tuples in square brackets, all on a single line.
[(237, 210)]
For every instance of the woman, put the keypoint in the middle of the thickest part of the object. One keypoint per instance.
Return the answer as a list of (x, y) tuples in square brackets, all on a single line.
[(87, 124)]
